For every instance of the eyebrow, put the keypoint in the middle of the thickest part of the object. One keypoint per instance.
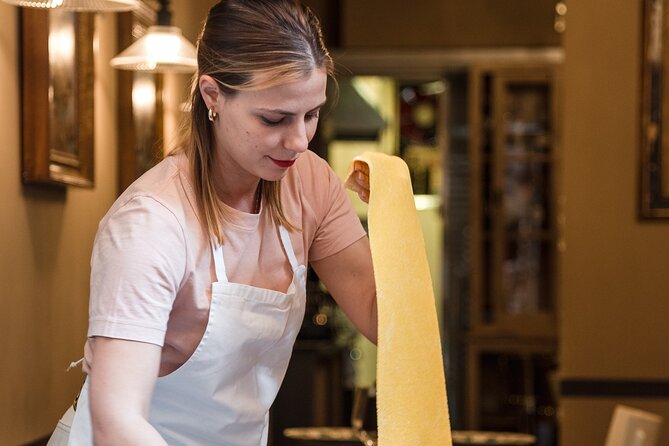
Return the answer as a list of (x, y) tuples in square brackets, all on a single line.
[(288, 113)]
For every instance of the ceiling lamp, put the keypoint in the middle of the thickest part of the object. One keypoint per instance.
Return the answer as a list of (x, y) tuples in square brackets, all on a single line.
[(78, 5), (162, 49)]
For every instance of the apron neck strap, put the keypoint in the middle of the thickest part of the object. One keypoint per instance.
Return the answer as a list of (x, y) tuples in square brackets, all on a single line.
[(288, 247), (219, 263)]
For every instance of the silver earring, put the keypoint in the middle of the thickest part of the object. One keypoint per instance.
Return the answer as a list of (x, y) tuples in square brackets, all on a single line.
[(212, 115)]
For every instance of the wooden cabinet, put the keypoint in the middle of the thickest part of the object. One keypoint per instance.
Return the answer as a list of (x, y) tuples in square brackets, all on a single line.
[(513, 158), (511, 339), (511, 386)]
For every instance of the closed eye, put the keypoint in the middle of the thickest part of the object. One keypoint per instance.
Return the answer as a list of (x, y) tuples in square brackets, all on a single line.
[(271, 122), (274, 122), (311, 115)]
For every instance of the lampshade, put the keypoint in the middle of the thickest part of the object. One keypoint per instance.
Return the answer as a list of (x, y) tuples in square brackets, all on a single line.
[(78, 5), (161, 49)]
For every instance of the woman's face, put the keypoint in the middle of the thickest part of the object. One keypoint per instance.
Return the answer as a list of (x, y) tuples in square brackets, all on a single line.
[(260, 134)]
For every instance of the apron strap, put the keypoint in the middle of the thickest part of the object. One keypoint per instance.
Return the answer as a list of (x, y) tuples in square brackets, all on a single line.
[(288, 247), (219, 263)]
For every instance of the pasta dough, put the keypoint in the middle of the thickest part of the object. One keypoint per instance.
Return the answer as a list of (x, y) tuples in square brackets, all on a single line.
[(411, 397)]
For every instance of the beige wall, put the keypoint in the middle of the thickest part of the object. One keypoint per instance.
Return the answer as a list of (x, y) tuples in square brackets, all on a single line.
[(614, 292), (45, 242), (189, 15)]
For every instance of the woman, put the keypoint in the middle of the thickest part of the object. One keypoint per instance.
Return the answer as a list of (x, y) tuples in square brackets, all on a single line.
[(198, 269)]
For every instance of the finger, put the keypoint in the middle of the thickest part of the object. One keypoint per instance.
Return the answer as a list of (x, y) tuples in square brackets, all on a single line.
[(360, 166), (358, 180), (362, 179)]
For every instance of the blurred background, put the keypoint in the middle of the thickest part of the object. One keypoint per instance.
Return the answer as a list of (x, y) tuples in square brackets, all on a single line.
[(527, 126)]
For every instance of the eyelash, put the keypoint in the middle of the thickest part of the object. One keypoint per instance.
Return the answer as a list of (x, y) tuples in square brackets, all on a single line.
[(272, 123)]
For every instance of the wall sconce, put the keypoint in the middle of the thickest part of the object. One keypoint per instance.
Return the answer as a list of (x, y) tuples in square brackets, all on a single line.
[(78, 5), (162, 49), (560, 22)]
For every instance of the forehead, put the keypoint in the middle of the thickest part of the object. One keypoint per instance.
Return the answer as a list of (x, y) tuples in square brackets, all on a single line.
[(309, 90)]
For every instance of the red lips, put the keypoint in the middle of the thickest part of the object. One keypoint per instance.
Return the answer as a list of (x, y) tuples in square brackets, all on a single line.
[(283, 164)]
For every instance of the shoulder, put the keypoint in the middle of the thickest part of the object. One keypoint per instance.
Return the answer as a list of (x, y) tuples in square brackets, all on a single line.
[(310, 166), (312, 160), (313, 175), (316, 194), (162, 181), (162, 191), (311, 185), (149, 227), (158, 207)]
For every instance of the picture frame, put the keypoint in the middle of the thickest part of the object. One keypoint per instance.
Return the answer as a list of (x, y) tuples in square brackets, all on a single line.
[(140, 104), (57, 81), (654, 159)]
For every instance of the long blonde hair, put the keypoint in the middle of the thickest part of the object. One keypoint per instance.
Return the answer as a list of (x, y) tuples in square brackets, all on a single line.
[(247, 45)]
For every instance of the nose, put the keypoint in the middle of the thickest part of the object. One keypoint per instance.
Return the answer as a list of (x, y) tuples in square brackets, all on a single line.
[(297, 138)]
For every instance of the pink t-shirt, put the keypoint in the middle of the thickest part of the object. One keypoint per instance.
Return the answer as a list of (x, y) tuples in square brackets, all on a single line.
[(152, 266)]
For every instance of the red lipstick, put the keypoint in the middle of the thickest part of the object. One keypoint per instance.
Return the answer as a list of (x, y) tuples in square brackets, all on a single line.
[(283, 164)]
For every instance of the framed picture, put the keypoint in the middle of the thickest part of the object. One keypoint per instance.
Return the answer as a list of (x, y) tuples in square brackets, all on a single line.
[(57, 97), (140, 111), (654, 159)]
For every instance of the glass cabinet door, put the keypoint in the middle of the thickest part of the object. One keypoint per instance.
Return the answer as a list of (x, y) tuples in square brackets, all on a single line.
[(514, 213), (511, 343)]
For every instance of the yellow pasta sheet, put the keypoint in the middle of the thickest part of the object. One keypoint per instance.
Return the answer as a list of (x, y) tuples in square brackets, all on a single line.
[(411, 402)]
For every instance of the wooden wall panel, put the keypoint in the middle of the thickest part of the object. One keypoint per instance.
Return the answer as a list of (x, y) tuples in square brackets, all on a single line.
[(447, 23)]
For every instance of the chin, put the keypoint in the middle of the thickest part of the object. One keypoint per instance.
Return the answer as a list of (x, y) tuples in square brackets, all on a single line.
[(274, 176)]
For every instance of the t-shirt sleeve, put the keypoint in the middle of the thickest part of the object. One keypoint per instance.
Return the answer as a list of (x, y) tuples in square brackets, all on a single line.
[(137, 266), (337, 224)]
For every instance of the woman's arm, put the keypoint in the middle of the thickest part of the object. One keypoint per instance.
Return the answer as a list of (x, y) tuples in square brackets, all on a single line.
[(121, 383), (349, 278)]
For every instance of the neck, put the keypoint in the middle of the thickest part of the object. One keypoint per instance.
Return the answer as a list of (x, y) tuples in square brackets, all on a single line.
[(246, 199), (234, 186)]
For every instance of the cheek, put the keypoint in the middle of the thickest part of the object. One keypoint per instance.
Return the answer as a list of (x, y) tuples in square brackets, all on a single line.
[(260, 140)]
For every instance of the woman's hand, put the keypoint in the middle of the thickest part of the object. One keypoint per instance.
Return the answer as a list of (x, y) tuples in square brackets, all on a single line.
[(358, 180)]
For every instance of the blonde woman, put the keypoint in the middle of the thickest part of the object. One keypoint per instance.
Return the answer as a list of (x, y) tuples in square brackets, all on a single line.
[(199, 268)]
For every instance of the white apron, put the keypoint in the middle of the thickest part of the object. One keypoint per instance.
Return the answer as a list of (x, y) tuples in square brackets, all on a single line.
[(222, 394)]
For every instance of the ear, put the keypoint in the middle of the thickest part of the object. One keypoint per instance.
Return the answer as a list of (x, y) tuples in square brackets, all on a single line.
[(209, 90)]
